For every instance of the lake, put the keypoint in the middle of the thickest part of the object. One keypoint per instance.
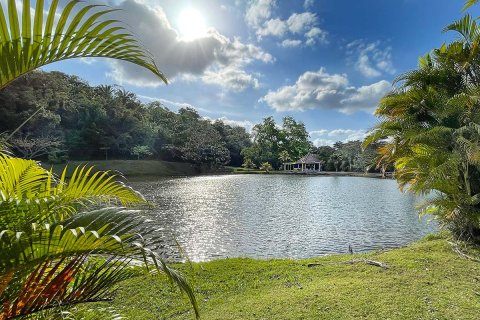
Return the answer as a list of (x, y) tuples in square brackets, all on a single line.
[(282, 216)]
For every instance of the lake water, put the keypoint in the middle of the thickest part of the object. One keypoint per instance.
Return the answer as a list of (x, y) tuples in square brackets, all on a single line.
[(282, 216)]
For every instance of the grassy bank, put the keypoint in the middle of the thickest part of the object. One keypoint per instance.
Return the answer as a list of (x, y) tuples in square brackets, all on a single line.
[(239, 170), (425, 280), (131, 168)]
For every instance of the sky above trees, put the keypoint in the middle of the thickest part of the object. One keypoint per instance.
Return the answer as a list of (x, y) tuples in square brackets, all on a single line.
[(324, 62)]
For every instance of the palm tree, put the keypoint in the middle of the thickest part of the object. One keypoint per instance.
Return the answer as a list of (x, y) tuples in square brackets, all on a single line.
[(59, 244), (125, 97), (105, 91), (432, 122)]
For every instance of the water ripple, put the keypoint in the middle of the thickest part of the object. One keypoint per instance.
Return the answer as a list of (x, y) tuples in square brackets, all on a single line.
[(280, 216)]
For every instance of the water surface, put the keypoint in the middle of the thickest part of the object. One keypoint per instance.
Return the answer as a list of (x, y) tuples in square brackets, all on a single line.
[(282, 216)]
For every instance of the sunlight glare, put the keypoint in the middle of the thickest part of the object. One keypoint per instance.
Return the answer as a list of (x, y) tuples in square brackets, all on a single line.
[(191, 24)]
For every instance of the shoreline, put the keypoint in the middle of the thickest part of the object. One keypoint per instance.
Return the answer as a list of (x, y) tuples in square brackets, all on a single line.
[(321, 173), (158, 168)]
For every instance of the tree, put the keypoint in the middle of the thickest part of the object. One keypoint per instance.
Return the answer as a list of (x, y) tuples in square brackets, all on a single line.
[(203, 145), (248, 164), (34, 148), (284, 156), (269, 141), (267, 167), (266, 142), (365, 160), (294, 137), (432, 122), (236, 138), (141, 151), (324, 153), (347, 153), (56, 249)]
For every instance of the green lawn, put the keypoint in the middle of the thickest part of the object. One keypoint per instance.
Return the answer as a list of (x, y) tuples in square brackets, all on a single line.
[(131, 167), (426, 280)]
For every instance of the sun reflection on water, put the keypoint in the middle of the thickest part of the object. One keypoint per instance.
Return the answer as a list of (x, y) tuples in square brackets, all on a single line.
[(283, 216)]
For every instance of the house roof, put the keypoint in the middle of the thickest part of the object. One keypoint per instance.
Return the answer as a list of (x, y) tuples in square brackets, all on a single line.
[(309, 158)]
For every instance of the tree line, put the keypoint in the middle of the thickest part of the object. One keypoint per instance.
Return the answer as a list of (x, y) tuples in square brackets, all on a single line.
[(74, 120), (275, 145), (69, 119)]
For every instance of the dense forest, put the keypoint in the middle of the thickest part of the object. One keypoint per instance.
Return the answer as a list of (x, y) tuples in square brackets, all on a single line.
[(69, 119), (78, 121)]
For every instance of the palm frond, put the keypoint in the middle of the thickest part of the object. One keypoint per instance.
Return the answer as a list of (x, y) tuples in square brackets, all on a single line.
[(27, 44), (469, 3), (31, 194), (75, 262)]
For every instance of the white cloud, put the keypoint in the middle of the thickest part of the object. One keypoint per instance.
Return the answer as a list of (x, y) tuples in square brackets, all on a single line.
[(320, 133), (370, 59), (308, 3), (316, 35), (321, 90), (231, 78), (323, 142), (174, 56), (298, 23), (325, 137), (290, 43), (248, 125), (88, 61), (258, 11), (273, 27)]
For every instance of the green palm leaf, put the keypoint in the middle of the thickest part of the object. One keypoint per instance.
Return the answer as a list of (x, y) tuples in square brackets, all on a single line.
[(469, 3), (54, 249), (75, 262), (26, 45), (46, 224)]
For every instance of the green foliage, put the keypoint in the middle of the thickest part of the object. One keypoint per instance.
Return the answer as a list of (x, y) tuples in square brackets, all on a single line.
[(57, 248), (347, 156), (267, 167), (141, 151), (432, 122), (294, 138), (30, 42), (284, 156), (203, 145), (248, 164), (469, 3), (86, 120), (270, 142)]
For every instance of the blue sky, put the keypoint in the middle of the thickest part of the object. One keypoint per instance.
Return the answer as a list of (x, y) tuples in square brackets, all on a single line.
[(324, 62)]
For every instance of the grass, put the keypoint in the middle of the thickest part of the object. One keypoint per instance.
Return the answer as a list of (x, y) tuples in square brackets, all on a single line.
[(425, 280), (247, 170), (131, 167)]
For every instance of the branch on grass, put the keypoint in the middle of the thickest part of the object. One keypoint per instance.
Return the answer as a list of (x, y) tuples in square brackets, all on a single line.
[(369, 262), (354, 261), (462, 254)]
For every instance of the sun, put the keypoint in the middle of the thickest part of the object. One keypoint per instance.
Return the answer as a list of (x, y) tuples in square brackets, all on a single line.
[(191, 24)]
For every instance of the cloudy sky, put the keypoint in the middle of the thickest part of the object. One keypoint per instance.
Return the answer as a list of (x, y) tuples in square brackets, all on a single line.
[(324, 62)]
